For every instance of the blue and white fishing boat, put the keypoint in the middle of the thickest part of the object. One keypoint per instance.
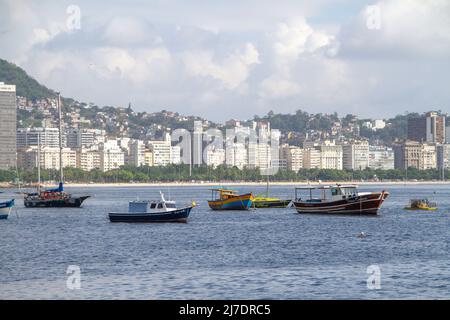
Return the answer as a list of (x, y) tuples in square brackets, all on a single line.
[(152, 211), (5, 208)]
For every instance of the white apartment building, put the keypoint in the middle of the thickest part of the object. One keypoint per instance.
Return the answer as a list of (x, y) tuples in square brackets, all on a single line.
[(148, 157), (429, 156), (111, 156), (88, 159), (443, 156), (311, 158), (28, 137), (50, 158), (331, 156), (293, 156), (356, 155), (175, 157), (215, 156), (378, 124), (264, 156), (162, 151), (381, 157), (84, 138), (236, 155), (137, 153)]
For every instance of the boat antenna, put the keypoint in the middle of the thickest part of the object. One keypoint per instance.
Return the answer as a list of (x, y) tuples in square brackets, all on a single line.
[(17, 175), (61, 172), (39, 163)]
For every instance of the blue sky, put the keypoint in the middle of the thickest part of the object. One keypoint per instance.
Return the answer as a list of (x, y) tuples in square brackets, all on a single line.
[(234, 59)]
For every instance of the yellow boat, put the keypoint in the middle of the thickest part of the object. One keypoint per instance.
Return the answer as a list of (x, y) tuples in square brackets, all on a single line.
[(421, 204), (264, 201), (267, 202)]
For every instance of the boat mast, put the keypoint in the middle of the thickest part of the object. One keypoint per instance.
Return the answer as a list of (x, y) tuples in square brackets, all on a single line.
[(61, 172), (39, 163)]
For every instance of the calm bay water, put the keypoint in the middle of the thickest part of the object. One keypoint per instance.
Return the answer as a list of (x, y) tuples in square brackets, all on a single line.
[(263, 254)]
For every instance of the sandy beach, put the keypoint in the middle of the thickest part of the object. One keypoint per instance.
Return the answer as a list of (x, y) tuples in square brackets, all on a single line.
[(230, 183)]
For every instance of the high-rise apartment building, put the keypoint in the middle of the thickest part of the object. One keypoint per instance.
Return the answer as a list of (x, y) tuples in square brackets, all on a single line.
[(381, 157), (331, 156), (293, 156), (427, 128), (443, 156), (413, 154), (311, 158), (356, 155), (7, 126), (47, 137)]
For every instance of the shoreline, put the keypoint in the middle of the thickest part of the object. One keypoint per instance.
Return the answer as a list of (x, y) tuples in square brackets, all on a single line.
[(230, 183)]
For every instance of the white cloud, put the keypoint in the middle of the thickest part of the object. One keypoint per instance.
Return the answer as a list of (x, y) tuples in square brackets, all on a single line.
[(274, 87), (412, 28), (232, 71), (228, 59)]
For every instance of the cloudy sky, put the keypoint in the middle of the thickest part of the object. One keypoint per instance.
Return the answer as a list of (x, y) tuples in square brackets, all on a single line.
[(226, 59)]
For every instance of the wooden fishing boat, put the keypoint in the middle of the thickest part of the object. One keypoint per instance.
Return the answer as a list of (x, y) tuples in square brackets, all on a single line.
[(225, 199), (339, 199), (421, 204), (152, 211), (55, 197), (5, 208)]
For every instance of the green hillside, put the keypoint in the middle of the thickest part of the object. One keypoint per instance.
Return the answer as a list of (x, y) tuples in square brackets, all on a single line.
[(26, 86)]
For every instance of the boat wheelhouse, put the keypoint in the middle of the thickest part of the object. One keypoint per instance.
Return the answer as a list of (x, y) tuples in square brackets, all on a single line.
[(337, 199)]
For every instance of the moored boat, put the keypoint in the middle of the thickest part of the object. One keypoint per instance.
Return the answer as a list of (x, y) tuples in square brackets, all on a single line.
[(152, 211), (55, 197), (267, 202), (5, 208), (339, 199), (225, 199), (421, 204)]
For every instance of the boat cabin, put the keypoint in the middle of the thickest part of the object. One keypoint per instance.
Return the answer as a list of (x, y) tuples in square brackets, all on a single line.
[(325, 193), (222, 194), (141, 206)]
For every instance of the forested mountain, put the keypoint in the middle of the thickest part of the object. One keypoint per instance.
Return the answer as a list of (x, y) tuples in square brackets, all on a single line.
[(26, 86)]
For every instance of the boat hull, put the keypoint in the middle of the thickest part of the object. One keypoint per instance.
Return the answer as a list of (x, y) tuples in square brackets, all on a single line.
[(179, 215), (241, 202), (421, 209), (362, 204), (260, 204), (5, 209), (72, 202)]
